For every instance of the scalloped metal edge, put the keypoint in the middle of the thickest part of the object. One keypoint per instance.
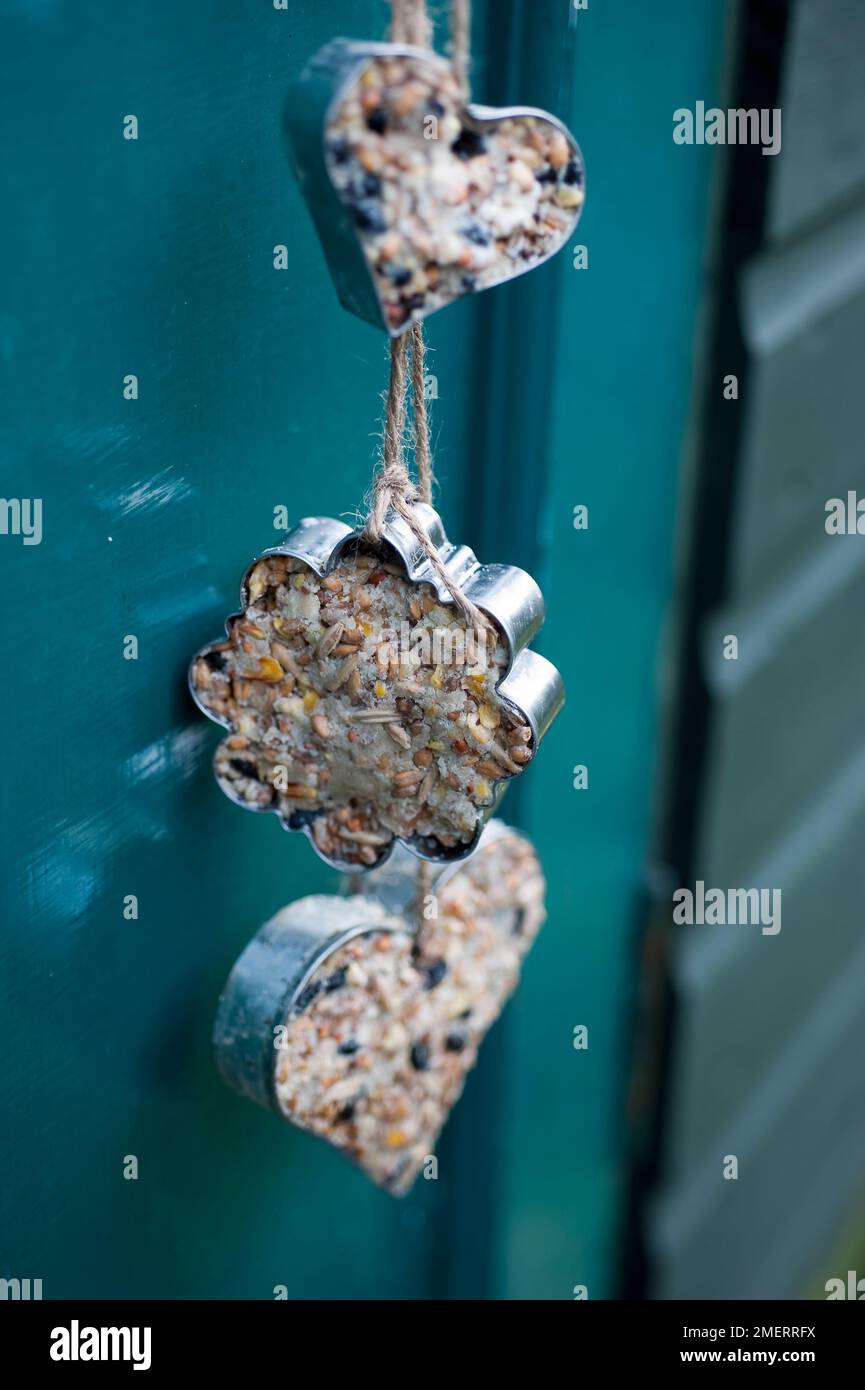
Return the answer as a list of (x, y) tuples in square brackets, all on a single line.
[(311, 101), (532, 686)]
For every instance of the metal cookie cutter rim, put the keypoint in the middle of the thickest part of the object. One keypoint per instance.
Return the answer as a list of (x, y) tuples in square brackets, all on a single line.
[(531, 687), (312, 99), (270, 974)]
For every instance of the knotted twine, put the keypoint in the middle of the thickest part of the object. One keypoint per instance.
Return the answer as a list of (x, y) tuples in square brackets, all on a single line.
[(393, 490)]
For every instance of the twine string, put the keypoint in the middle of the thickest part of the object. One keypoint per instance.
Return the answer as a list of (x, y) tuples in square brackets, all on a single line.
[(422, 457), (424, 890), (393, 490), (410, 23), (460, 18)]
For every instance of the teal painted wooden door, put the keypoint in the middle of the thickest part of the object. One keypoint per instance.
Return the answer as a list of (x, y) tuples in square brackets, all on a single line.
[(154, 258)]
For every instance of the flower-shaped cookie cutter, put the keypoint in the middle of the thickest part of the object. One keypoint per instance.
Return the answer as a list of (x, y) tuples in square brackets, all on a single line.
[(313, 101), (530, 693)]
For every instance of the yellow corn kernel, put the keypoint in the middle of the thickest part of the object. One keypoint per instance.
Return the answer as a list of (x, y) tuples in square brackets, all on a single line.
[(310, 700), (269, 670), (488, 716), (258, 581)]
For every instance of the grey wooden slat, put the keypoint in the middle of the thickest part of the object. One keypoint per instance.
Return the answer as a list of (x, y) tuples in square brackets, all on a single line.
[(823, 103), (779, 737), (804, 320), (767, 1058), (719, 1238), (744, 992)]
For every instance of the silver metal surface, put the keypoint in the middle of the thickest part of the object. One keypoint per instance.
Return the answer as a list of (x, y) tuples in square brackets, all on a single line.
[(532, 688), (272, 972), (310, 104)]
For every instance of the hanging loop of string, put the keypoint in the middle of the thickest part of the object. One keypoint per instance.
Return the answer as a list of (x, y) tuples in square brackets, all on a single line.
[(410, 23), (393, 489), (461, 43)]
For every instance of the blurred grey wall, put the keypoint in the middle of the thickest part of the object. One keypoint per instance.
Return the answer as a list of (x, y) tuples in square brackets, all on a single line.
[(761, 1042)]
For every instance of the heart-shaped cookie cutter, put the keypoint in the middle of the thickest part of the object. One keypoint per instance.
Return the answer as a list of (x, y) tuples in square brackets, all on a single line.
[(270, 975), (532, 687), (311, 102)]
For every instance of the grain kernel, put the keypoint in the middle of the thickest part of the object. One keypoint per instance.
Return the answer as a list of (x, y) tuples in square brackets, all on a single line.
[(488, 716), (558, 151), (268, 670), (520, 734)]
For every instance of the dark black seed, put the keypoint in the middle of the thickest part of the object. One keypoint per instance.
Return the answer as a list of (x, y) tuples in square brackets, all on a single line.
[(307, 995), (436, 108), (340, 150), (468, 144), (473, 231), (245, 768), (455, 1042), (371, 186), (349, 1047), (547, 175), (415, 301), (215, 660), (469, 283), (347, 1112), (435, 973), (419, 1056), (369, 217), (377, 121), (466, 1013), (337, 979), (574, 174), (401, 276)]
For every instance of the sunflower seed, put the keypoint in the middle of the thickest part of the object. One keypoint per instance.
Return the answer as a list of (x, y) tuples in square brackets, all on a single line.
[(399, 735), (330, 640), (345, 670), (428, 783)]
